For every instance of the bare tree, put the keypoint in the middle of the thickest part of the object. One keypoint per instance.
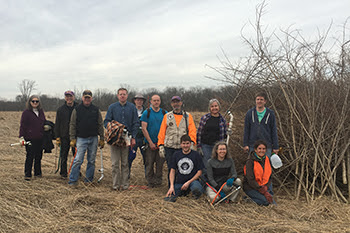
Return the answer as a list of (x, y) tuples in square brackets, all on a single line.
[(26, 87)]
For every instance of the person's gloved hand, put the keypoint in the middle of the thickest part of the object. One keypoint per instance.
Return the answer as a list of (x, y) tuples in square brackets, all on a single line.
[(192, 145), (263, 189), (229, 182), (73, 142), (22, 141), (222, 194), (58, 141), (161, 151), (47, 127), (268, 197), (229, 131), (101, 143)]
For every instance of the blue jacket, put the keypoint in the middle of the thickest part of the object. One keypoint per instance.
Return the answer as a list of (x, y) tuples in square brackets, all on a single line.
[(126, 115), (265, 130)]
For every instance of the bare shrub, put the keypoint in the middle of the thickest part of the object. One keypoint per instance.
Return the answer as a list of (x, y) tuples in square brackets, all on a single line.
[(308, 87)]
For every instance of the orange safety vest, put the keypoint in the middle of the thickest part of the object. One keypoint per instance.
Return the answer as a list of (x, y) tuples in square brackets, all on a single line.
[(262, 176)]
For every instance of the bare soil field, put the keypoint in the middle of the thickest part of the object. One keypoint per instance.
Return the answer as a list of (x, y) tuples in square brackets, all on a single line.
[(48, 204)]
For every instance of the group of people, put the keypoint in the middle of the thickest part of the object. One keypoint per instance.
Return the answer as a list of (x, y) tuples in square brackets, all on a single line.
[(161, 137)]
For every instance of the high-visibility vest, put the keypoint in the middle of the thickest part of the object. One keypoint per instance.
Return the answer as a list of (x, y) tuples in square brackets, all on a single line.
[(262, 176), (174, 132)]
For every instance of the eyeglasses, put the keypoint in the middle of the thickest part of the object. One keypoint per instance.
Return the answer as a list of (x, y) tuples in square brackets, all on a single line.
[(35, 101)]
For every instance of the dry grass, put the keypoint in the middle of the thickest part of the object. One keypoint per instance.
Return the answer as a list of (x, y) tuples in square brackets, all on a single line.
[(49, 205)]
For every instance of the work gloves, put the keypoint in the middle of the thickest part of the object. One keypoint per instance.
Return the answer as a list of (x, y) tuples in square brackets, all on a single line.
[(229, 182), (22, 141), (263, 189), (47, 127), (222, 194), (101, 143), (58, 141), (73, 142), (267, 195), (161, 151)]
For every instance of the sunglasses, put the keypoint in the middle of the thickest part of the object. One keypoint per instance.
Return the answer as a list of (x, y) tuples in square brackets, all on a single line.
[(35, 101)]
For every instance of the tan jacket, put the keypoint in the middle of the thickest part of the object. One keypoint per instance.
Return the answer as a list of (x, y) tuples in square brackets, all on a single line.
[(173, 127)]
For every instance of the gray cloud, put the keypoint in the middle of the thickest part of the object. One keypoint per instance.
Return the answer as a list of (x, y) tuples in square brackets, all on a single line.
[(101, 44)]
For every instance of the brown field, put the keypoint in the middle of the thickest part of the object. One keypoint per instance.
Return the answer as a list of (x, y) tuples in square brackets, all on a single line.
[(49, 205)]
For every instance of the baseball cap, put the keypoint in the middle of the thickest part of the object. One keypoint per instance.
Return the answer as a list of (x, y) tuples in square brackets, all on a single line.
[(69, 93), (87, 93), (176, 98)]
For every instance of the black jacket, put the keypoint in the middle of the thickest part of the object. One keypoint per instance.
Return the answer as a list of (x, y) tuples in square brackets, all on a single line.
[(87, 120), (48, 137), (62, 120)]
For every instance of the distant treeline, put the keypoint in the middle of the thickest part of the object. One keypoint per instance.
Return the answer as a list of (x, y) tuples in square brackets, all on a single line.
[(194, 98)]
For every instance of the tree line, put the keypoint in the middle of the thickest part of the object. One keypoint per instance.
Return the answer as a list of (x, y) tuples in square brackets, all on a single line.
[(194, 98)]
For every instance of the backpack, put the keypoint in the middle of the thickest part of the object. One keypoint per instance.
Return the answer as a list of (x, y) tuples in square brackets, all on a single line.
[(149, 112)]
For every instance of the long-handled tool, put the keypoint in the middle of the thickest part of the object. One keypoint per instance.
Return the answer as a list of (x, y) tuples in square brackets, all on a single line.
[(218, 193), (59, 160), (101, 169), (228, 195), (21, 143), (75, 154), (230, 125)]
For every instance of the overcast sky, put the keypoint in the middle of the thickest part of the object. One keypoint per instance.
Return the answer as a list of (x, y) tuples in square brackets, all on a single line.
[(91, 44)]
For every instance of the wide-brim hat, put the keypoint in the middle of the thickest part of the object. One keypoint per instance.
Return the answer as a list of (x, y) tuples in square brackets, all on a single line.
[(139, 96)]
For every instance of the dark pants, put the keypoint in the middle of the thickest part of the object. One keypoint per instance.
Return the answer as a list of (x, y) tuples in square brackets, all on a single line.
[(259, 198), (132, 153), (64, 150), (154, 167), (169, 152), (34, 154)]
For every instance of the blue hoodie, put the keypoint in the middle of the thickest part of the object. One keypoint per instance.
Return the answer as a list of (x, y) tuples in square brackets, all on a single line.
[(265, 130)]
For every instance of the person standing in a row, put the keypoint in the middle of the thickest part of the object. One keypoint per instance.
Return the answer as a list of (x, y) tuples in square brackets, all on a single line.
[(63, 116), (260, 124), (139, 101), (125, 113), (32, 129), (212, 128), (175, 124), (85, 126), (151, 120)]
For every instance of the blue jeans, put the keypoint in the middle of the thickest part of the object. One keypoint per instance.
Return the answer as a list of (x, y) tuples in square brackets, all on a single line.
[(258, 198), (195, 187), (207, 150), (84, 144)]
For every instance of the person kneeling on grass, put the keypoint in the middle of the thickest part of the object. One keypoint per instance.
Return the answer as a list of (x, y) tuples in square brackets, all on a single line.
[(257, 175), (185, 168), (221, 169)]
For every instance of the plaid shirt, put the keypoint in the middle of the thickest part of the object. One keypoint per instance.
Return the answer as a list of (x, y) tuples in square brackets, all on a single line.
[(222, 126)]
